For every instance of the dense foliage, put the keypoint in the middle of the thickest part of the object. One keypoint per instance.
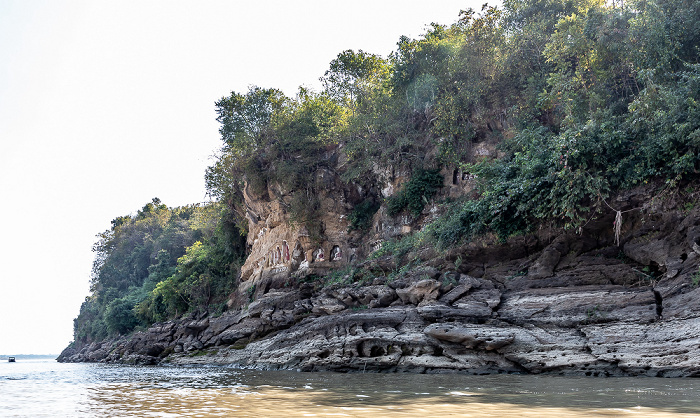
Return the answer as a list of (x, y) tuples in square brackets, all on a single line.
[(584, 98), (618, 107), (159, 263), (415, 193)]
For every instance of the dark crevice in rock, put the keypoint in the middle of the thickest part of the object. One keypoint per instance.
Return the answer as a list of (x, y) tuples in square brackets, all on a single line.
[(516, 364), (659, 303)]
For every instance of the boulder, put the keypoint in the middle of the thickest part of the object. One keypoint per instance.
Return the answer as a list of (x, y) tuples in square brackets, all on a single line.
[(422, 291)]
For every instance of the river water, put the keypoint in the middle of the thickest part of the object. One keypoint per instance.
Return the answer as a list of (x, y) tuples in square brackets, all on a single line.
[(44, 388)]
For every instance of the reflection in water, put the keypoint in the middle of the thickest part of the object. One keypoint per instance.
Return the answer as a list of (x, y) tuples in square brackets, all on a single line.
[(51, 389), (351, 400)]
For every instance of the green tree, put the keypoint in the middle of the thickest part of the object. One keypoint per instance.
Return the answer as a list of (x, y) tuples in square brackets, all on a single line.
[(245, 117), (141, 253), (119, 316), (352, 75)]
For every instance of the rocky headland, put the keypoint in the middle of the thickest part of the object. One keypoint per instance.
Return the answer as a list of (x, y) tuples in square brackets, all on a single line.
[(561, 302), (517, 192)]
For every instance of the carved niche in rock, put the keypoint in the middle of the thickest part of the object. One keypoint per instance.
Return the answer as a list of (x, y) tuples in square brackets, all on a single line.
[(319, 255), (298, 254), (336, 253)]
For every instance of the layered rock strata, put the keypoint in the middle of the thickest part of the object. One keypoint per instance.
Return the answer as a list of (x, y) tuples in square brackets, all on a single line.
[(563, 304)]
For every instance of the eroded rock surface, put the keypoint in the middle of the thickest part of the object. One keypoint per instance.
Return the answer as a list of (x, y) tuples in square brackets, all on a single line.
[(564, 304)]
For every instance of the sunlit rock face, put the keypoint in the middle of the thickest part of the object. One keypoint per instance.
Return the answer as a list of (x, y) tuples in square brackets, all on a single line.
[(282, 246), (279, 247)]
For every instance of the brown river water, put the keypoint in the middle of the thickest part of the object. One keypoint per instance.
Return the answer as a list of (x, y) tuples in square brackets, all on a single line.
[(44, 388)]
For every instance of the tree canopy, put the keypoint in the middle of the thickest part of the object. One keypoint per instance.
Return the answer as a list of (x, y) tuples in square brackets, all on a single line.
[(583, 96), (159, 263)]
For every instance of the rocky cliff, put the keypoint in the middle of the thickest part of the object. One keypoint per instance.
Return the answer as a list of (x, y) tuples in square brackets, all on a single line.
[(550, 302)]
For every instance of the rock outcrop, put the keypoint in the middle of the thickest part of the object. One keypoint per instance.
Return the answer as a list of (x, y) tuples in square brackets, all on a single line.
[(550, 302), (559, 303), (280, 248)]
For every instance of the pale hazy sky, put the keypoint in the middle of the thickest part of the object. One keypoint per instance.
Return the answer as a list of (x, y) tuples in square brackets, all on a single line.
[(107, 104)]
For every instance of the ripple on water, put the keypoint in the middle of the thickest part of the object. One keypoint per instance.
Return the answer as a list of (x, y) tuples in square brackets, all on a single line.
[(51, 389)]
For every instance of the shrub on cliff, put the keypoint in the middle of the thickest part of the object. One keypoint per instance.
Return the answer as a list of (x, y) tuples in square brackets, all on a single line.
[(607, 98), (584, 98), (415, 193), (361, 216)]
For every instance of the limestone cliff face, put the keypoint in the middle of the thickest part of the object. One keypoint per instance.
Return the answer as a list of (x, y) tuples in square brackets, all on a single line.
[(281, 248)]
